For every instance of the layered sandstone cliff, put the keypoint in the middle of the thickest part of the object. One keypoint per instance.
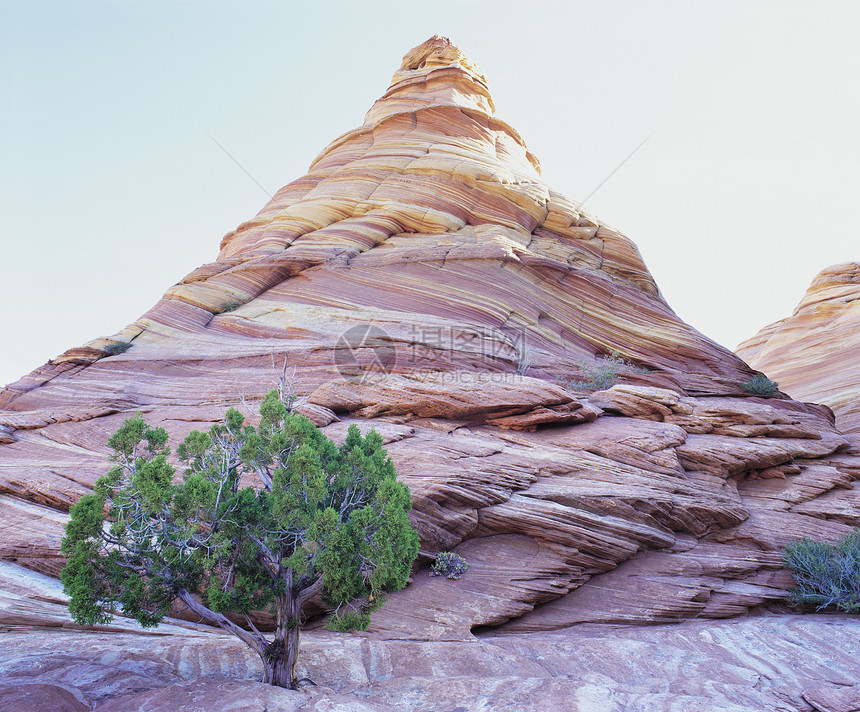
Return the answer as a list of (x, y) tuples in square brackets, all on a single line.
[(815, 352), (422, 279)]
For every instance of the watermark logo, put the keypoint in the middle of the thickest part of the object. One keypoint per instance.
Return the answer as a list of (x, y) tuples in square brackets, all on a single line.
[(369, 353), (364, 352)]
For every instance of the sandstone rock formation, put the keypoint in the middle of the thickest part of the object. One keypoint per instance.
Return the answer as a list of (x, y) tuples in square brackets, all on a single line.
[(424, 280), (814, 352)]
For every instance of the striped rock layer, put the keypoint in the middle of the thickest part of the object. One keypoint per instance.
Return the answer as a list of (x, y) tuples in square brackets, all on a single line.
[(423, 280), (755, 664), (814, 352)]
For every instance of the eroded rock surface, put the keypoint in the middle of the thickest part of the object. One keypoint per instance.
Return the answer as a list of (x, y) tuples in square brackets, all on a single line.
[(754, 664), (424, 280), (814, 352)]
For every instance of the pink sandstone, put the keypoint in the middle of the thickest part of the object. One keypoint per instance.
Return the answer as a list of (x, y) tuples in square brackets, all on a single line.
[(814, 352)]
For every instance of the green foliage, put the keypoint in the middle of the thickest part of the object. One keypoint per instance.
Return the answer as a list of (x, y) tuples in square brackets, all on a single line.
[(826, 574), (761, 385), (230, 307), (351, 620), (117, 347), (600, 374), (448, 564), (321, 518)]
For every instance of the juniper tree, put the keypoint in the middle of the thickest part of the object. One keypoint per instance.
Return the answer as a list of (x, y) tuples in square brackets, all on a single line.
[(318, 519)]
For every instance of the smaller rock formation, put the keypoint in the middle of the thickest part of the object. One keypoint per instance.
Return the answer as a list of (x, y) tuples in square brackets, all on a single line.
[(814, 352)]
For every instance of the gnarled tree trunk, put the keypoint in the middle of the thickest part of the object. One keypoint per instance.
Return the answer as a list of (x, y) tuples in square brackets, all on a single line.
[(280, 657)]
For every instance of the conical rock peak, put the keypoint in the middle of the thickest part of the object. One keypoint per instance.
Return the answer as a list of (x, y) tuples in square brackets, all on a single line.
[(435, 72), (423, 279)]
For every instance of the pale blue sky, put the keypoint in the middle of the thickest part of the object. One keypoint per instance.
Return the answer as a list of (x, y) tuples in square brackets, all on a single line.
[(111, 190)]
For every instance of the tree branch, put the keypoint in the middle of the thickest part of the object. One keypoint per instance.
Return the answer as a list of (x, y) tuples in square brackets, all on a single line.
[(306, 594), (256, 642)]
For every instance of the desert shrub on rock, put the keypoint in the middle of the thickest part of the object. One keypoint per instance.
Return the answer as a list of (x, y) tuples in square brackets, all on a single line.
[(600, 374), (117, 347), (761, 385), (450, 565), (323, 519), (826, 574)]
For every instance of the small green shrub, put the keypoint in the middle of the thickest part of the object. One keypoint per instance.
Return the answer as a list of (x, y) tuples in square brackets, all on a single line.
[(761, 385), (448, 564), (347, 622), (230, 306), (826, 574), (600, 374), (117, 347)]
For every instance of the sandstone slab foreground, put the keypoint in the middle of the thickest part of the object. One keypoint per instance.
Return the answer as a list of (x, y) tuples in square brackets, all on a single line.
[(785, 663)]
